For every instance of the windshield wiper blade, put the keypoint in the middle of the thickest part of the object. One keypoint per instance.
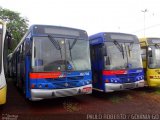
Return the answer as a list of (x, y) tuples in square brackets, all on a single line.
[(120, 47), (74, 42), (70, 51), (157, 45), (55, 43)]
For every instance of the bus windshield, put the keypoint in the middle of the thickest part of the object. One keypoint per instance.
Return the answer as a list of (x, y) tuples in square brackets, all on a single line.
[(60, 54), (122, 56), (154, 56)]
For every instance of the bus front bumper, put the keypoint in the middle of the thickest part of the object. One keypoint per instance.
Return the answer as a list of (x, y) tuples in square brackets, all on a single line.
[(39, 94), (153, 83), (110, 87), (3, 92)]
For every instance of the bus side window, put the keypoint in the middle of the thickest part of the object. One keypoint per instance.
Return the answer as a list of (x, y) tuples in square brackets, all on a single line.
[(92, 53), (150, 58), (27, 46), (21, 52)]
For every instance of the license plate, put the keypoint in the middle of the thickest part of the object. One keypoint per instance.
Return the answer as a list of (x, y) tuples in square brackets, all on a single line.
[(128, 85)]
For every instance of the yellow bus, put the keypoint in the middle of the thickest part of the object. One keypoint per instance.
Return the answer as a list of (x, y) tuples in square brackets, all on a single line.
[(151, 60), (5, 40)]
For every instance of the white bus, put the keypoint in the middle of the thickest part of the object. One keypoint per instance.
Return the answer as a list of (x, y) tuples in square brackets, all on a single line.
[(4, 37)]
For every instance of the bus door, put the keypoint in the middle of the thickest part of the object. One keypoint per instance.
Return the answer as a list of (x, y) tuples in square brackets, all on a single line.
[(97, 62), (144, 60), (20, 67)]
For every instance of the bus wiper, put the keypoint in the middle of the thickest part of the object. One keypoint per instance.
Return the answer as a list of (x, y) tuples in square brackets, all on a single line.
[(74, 42), (130, 48), (70, 47), (120, 47), (157, 46), (55, 43)]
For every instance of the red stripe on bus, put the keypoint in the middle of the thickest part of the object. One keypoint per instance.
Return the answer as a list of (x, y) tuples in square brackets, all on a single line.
[(45, 75), (114, 72)]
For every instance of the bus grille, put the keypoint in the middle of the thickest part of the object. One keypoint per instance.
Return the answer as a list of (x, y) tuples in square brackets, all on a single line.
[(75, 78), (63, 85), (127, 78)]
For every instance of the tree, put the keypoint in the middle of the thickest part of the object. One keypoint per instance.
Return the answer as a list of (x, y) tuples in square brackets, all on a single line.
[(16, 24)]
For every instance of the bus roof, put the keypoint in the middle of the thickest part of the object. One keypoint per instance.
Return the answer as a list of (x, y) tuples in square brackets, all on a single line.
[(37, 29), (149, 41), (108, 36), (49, 26)]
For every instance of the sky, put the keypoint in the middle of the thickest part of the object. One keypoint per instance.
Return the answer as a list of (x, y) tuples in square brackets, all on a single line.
[(94, 16)]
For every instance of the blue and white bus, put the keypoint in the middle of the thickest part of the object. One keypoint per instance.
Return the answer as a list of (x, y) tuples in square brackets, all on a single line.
[(116, 61), (52, 61)]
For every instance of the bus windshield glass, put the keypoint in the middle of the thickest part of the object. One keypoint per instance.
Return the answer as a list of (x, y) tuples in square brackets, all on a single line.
[(122, 56), (154, 56), (60, 54)]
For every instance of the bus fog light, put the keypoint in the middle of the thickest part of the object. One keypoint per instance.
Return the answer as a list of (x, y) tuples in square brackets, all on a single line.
[(151, 77), (40, 86), (46, 86), (107, 81), (32, 86)]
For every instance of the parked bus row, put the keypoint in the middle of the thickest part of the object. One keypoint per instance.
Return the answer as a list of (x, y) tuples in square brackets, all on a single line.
[(53, 61)]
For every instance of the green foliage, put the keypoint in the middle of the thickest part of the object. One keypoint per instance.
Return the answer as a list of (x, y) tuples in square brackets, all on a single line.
[(157, 91), (16, 24)]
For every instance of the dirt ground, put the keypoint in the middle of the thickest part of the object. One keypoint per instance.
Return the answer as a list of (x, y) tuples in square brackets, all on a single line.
[(141, 103)]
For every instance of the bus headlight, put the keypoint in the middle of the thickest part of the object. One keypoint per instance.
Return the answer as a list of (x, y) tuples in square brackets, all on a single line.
[(40, 86), (87, 82), (140, 78), (115, 80)]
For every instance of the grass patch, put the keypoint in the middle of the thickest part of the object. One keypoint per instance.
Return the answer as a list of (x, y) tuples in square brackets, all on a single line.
[(71, 106), (157, 91), (143, 93), (129, 97), (118, 99)]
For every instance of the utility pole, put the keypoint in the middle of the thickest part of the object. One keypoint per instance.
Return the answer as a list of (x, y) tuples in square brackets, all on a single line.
[(144, 11)]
